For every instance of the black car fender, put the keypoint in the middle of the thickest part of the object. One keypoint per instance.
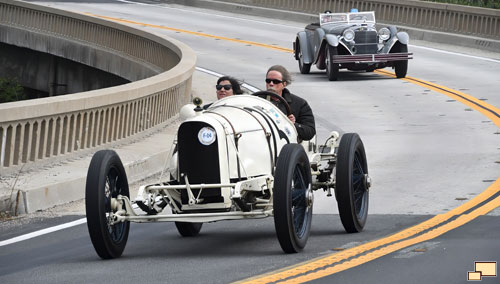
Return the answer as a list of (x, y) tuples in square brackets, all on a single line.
[(303, 45), (332, 40), (318, 41), (403, 37), (328, 39)]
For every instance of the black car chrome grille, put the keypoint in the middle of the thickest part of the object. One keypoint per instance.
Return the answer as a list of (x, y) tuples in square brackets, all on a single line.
[(199, 162), (366, 42)]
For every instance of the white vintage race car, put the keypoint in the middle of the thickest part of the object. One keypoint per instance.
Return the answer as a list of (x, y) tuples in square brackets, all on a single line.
[(238, 159)]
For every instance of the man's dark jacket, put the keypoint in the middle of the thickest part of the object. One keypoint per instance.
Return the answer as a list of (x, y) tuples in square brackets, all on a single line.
[(304, 119)]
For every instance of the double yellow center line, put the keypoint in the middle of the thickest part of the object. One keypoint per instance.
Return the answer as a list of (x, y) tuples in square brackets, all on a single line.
[(432, 228), (193, 33)]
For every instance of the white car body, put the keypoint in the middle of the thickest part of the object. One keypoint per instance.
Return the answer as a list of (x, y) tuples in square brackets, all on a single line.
[(237, 159)]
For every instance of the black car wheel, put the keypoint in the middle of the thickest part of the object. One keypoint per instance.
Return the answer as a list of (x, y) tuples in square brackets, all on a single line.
[(188, 229), (303, 67), (106, 179), (292, 198), (401, 67), (352, 183), (332, 69)]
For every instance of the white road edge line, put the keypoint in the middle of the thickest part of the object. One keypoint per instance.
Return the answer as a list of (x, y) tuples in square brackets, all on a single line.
[(244, 85), (456, 53), (283, 25), (47, 231), (210, 14), (84, 220), (43, 232)]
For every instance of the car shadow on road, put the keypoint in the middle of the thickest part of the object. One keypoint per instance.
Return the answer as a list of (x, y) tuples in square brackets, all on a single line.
[(228, 239), (344, 76)]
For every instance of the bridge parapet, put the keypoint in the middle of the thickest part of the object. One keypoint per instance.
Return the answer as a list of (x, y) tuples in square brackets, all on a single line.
[(38, 132)]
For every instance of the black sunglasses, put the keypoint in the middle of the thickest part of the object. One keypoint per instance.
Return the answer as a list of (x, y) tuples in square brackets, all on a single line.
[(226, 87), (275, 81)]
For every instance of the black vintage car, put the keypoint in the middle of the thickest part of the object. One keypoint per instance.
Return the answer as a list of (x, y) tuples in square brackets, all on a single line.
[(351, 41)]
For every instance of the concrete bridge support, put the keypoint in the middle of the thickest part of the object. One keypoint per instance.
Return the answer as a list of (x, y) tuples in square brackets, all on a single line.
[(50, 74)]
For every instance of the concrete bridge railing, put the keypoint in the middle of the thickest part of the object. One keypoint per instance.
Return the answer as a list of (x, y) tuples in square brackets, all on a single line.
[(465, 20), (41, 131)]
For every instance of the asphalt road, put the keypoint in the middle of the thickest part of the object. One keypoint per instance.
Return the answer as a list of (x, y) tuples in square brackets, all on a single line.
[(427, 152)]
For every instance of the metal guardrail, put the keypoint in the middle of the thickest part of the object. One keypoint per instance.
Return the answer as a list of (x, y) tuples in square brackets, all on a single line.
[(40, 131), (465, 20)]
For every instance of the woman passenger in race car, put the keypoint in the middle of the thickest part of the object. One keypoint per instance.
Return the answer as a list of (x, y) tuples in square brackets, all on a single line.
[(277, 78), (226, 86)]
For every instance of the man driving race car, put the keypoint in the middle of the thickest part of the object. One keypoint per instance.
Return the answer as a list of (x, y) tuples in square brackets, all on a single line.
[(277, 78)]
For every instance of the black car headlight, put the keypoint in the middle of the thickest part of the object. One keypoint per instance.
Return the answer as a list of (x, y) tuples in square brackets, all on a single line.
[(348, 35), (384, 33)]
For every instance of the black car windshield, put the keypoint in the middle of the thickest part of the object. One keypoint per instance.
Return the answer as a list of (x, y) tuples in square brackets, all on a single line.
[(358, 17), (363, 17)]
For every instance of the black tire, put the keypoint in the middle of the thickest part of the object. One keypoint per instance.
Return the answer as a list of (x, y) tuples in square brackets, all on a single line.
[(332, 69), (304, 68), (401, 67), (106, 179), (292, 207), (352, 183), (187, 229)]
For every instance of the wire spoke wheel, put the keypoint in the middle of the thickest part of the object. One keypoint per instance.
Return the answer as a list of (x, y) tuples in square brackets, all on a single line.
[(292, 198), (352, 183), (304, 68), (332, 69), (106, 180), (299, 204)]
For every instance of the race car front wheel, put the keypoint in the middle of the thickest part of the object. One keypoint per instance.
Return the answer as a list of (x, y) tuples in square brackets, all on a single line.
[(106, 179), (353, 182), (292, 198)]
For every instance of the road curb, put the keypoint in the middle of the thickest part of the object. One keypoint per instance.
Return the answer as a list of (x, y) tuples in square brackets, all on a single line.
[(69, 186)]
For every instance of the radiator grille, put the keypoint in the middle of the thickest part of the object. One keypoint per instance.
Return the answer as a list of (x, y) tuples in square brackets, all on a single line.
[(366, 42), (199, 162)]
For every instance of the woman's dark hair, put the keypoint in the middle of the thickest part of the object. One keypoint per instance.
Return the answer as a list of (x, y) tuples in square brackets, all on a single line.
[(234, 84)]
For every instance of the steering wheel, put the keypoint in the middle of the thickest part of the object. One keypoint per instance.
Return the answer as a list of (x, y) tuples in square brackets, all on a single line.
[(264, 94)]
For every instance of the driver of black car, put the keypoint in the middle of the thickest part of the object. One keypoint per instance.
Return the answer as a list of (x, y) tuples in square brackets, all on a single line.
[(277, 78)]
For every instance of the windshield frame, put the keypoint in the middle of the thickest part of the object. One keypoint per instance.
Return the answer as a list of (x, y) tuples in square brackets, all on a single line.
[(347, 18)]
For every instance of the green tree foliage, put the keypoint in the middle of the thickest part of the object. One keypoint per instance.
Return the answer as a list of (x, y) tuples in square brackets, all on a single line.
[(11, 91), (494, 4)]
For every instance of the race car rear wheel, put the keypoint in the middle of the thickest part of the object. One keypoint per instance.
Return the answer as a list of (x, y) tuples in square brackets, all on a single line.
[(106, 179), (332, 69), (401, 67), (187, 229), (304, 68), (352, 183), (292, 198)]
